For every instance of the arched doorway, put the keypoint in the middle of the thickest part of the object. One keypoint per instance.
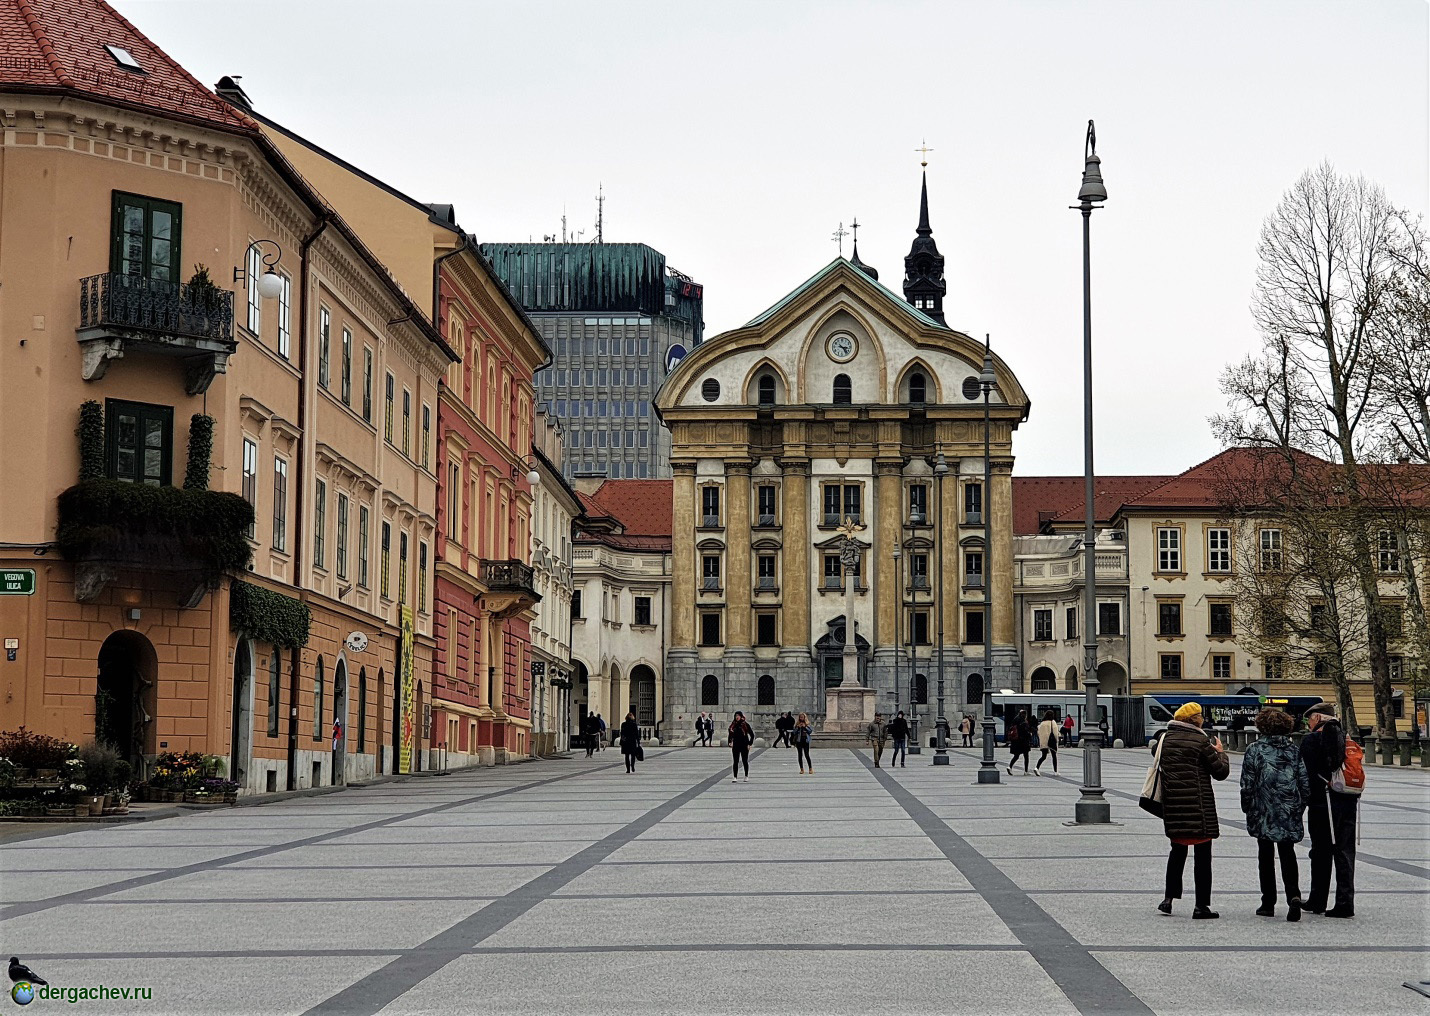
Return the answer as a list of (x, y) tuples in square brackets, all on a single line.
[(1043, 679), (340, 723), (124, 696), (1070, 679), (643, 695), (580, 697), (974, 694), (241, 733), (1111, 678), (617, 715), (362, 711)]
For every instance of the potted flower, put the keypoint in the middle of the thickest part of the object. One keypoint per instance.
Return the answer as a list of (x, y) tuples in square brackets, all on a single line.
[(213, 791), (119, 802), (59, 802)]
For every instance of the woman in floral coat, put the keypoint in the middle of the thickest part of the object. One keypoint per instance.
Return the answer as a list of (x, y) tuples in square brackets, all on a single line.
[(1274, 792)]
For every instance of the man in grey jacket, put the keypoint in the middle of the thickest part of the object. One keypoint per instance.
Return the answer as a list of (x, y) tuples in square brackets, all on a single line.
[(877, 734)]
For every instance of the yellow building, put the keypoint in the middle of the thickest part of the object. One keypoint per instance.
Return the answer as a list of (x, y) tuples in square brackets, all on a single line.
[(253, 393), (841, 401)]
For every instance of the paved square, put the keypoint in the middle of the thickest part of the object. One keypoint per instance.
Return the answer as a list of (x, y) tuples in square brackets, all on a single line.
[(571, 887)]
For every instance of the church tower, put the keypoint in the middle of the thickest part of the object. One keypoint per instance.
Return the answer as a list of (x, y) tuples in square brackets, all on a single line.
[(923, 268)]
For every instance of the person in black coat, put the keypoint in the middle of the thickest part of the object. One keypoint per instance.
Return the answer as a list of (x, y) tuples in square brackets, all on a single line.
[(590, 731), (899, 731), (1020, 740), (741, 737), (1330, 817), (630, 741)]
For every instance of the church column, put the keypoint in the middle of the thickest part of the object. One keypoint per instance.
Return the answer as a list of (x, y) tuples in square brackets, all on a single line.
[(682, 562), (884, 540), (1000, 600), (737, 555), (795, 575)]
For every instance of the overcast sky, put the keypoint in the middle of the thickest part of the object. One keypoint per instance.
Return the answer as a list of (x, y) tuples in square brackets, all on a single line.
[(735, 137)]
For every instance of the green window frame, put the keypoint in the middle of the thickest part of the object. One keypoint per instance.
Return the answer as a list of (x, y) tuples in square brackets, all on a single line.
[(139, 442), (145, 235)]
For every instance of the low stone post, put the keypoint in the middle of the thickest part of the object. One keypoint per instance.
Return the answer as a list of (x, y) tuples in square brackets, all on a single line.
[(1387, 751), (1424, 754), (1251, 737), (1405, 751)]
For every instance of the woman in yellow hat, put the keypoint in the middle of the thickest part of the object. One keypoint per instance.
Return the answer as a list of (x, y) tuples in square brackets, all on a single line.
[(1189, 763)]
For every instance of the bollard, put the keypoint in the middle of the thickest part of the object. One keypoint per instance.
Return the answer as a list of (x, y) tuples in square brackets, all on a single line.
[(1424, 754), (1251, 737), (1387, 749), (1405, 751)]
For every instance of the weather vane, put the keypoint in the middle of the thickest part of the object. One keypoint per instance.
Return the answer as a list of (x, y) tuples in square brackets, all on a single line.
[(924, 152), (839, 235)]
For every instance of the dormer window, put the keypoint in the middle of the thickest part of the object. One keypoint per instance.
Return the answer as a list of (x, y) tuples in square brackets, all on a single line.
[(843, 390)]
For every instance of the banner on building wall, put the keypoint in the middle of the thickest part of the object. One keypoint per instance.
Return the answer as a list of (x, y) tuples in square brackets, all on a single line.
[(409, 694)]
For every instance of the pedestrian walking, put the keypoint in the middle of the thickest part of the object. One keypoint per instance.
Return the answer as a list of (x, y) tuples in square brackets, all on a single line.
[(1048, 741), (631, 742), (1020, 741), (1189, 763), (783, 725), (965, 727), (1330, 816), (1274, 791), (1067, 730), (803, 734), (899, 731), (588, 733), (876, 734), (741, 737), (601, 732)]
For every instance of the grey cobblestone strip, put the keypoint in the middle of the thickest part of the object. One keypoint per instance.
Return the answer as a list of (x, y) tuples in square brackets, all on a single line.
[(372, 993), (84, 895), (1089, 985)]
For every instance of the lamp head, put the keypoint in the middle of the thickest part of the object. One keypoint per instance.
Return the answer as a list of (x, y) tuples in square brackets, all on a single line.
[(533, 477), (270, 285)]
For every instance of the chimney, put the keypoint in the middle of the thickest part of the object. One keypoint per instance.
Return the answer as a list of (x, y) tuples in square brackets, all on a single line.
[(229, 90)]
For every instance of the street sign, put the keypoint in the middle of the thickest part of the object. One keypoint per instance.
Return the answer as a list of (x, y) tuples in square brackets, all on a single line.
[(17, 582)]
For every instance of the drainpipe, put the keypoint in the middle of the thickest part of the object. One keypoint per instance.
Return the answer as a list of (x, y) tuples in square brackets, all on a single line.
[(298, 472)]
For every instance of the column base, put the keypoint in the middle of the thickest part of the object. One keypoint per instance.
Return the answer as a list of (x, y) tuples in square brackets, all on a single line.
[(988, 777), (1092, 810), (848, 709), (942, 760)]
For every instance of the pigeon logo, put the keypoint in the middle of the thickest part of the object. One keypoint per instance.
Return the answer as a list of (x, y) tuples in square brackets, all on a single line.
[(23, 992)]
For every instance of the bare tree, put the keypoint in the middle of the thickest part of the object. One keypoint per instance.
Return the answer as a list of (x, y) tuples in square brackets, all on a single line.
[(1328, 259), (1401, 346)]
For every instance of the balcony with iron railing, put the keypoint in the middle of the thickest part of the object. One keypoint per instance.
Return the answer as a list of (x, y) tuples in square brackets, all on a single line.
[(119, 313), (510, 587)]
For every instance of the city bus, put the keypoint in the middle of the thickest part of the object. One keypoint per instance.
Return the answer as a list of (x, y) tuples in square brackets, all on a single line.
[(1136, 719)]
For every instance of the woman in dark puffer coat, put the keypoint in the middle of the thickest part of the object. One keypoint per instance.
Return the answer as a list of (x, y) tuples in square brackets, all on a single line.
[(1189, 764), (1274, 792)]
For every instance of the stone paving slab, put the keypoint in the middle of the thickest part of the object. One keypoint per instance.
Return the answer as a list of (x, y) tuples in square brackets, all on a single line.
[(331, 884)]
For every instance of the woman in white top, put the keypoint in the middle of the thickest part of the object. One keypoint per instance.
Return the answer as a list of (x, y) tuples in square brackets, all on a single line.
[(1048, 739)]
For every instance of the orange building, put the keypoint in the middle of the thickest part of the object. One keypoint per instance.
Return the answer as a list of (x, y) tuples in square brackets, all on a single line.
[(223, 408)]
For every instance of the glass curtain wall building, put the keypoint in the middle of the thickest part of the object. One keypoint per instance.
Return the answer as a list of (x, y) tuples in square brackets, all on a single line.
[(615, 317)]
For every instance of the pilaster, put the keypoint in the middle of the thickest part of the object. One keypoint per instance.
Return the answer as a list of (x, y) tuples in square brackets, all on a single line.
[(885, 537), (795, 580), (1000, 598), (737, 555), (946, 537), (682, 560)]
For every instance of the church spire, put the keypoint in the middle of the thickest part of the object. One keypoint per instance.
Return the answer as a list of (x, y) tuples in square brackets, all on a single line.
[(868, 270), (924, 286)]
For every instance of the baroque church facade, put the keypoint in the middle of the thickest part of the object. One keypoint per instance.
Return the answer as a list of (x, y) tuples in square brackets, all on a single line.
[(840, 404)]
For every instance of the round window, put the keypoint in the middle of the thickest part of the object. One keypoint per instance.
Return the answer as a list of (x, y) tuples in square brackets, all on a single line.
[(710, 389), (971, 388)]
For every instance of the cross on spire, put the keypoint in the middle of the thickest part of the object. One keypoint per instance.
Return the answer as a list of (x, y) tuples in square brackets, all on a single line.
[(839, 235), (923, 151), (855, 227)]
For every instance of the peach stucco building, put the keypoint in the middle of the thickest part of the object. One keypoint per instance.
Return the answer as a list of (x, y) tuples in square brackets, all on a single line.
[(129, 194)]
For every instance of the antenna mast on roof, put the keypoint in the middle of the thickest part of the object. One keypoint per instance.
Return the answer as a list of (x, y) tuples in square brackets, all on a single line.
[(563, 223), (600, 213)]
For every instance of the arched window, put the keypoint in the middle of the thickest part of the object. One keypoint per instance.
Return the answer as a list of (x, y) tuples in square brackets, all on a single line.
[(843, 391), (766, 691), (975, 690), (767, 389), (921, 689), (710, 691), (918, 388), (275, 689), (362, 710), (318, 701)]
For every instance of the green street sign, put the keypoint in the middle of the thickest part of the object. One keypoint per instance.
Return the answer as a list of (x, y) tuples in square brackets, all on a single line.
[(17, 582)]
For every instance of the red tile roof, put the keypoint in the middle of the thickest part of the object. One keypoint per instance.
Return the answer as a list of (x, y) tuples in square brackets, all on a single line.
[(1040, 500), (641, 507), (57, 46)]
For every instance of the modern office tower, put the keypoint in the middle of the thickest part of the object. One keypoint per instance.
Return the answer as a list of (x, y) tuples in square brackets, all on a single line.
[(615, 317)]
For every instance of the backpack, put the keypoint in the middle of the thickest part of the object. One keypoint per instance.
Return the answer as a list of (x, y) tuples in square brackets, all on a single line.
[(1350, 777)]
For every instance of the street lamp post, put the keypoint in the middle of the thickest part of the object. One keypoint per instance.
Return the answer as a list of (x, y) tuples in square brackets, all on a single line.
[(940, 755), (987, 380), (898, 622), (1092, 807)]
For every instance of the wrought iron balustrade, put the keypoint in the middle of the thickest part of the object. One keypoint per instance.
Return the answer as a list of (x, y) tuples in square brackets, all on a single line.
[(165, 308)]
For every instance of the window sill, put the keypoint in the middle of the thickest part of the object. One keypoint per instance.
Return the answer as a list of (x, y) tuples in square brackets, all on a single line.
[(1169, 638), (642, 627), (578, 620), (1169, 575), (1220, 638), (1218, 576), (767, 590)]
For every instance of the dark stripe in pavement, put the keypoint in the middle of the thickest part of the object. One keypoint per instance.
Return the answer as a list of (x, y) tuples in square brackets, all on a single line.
[(372, 993), (84, 895), (1089, 985)]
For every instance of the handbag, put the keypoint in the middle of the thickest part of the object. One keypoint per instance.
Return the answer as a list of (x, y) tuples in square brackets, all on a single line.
[(640, 754), (1151, 798)]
